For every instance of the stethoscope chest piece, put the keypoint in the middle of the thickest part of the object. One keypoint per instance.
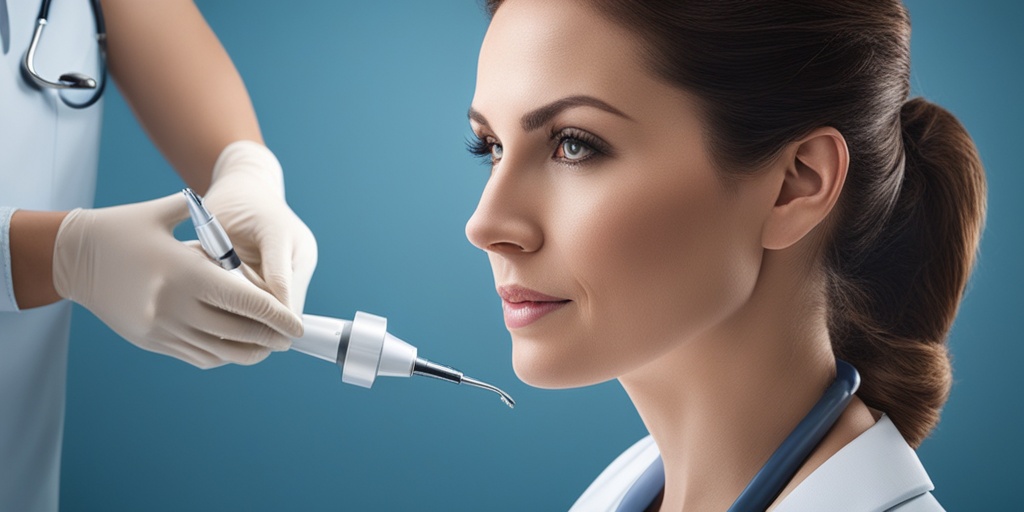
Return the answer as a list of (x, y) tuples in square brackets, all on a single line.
[(69, 81)]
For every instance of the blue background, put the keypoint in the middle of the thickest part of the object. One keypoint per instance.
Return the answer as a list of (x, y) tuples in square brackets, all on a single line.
[(365, 105)]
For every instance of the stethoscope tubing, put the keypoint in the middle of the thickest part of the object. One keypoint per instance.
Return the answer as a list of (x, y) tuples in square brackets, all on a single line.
[(766, 485)]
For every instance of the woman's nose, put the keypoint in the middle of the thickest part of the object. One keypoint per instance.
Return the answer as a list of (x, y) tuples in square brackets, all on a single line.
[(506, 219)]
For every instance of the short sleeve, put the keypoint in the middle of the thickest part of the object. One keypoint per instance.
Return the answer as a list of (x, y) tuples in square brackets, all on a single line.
[(7, 301)]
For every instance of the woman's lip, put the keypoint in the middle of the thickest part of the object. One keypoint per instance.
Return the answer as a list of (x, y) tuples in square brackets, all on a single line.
[(515, 293), (523, 306), (521, 314)]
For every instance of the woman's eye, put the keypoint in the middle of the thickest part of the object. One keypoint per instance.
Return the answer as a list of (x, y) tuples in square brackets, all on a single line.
[(485, 148), (574, 150)]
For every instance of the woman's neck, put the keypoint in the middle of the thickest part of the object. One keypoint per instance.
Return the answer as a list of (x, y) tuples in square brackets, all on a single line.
[(720, 404)]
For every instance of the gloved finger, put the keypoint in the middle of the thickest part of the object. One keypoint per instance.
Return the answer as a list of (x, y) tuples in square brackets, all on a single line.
[(255, 278), (276, 268), (168, 210), (298, 294), (245, 354), (229, 293), (229, 326), (300, 284), (249, 273), (304, 259), (191, 354)]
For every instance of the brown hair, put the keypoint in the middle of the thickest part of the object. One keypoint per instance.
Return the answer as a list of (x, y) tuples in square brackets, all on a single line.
[(905, 231)]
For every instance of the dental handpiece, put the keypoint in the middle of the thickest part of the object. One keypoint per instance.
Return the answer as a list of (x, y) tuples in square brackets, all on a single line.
[(362, 348), (211, 235), (365, 350)]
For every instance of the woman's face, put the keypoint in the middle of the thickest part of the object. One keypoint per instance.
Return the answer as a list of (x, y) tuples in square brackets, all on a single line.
[(611, 238)]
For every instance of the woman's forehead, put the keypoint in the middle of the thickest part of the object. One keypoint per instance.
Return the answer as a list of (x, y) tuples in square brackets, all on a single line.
[(537, 51)]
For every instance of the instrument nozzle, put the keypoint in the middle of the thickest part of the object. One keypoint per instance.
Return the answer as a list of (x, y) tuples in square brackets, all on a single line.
[(447, 373)]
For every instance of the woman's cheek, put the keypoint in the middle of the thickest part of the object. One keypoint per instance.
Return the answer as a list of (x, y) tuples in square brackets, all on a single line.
[(657, 260)]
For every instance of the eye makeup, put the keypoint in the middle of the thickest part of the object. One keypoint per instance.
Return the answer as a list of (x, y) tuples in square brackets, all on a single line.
[(488, 149)]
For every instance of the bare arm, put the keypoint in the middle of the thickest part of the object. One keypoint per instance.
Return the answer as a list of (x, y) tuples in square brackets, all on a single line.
[(32, 235), (179, 82)]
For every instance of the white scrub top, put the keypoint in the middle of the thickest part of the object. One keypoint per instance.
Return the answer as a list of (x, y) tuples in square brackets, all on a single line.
[(48, 158), (877, 471)]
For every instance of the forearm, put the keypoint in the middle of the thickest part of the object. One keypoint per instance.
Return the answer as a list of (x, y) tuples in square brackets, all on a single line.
[(180, 83), (32, 236)]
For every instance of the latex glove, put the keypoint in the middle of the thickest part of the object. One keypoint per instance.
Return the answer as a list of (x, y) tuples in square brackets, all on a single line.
[(247, 197), (124, 264)]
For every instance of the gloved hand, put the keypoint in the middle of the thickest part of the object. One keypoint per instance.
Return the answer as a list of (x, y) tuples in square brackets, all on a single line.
[(124, 264), (247, 197)]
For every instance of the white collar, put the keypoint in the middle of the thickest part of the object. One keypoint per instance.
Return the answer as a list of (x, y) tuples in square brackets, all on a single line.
[(876, 471)]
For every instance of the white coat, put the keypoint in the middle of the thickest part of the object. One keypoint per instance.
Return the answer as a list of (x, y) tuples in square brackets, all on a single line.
[(877, 471), (48, 158)]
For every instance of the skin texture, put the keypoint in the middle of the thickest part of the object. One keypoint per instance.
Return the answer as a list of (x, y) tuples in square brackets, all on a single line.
[(190, 100), (700, 297)]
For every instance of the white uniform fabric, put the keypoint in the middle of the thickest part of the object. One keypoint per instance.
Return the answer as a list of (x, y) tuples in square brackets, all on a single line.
[(48, 158), (877, 471)]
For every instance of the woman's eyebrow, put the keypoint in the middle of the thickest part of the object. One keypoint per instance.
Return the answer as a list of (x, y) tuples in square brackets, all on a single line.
[(539, 117)]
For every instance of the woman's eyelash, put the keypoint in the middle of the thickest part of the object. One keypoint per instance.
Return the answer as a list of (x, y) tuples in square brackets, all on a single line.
[(599, 146), (479, 147)]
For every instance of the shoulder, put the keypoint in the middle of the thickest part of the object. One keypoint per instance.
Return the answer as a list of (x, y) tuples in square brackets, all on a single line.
[(876, 471), (608, 489)]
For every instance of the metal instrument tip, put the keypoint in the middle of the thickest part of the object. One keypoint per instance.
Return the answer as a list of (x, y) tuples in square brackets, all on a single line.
[(200, 215), (447, 373), (505, 397)]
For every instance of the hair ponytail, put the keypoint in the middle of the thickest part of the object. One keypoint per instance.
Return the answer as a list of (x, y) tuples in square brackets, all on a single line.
[(892, 307)]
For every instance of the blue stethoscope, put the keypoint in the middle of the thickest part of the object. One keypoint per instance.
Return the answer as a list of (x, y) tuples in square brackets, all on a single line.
[(69, 81), (783, 464)]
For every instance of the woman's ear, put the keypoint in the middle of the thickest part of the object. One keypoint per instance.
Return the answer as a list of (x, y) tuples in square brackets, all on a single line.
[(815, 170)]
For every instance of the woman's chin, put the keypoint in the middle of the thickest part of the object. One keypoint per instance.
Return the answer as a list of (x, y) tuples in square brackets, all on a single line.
[(547, 370)]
